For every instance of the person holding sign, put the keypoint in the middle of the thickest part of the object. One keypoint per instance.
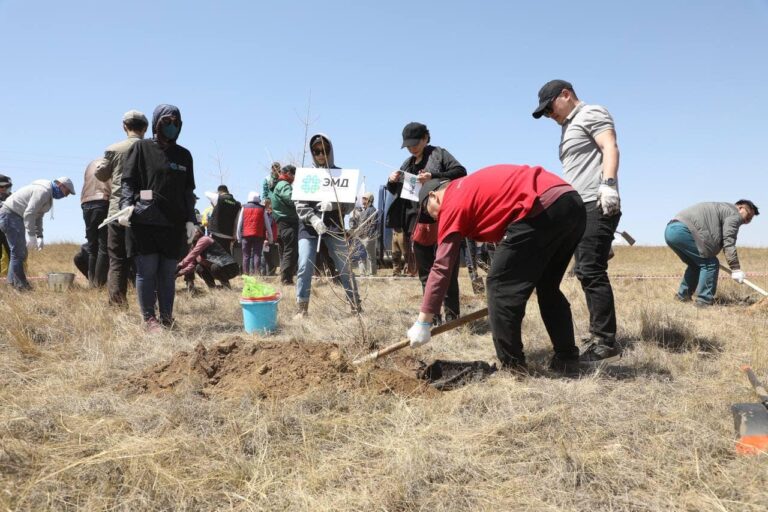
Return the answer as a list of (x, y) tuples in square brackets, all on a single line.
[(430, 162), (324, 220)]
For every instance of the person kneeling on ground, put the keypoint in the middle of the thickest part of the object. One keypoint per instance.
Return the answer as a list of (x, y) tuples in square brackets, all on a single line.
[(538, 219), (210, 260), (697, 234)]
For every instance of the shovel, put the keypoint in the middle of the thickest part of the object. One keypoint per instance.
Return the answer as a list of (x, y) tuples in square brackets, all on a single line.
[(448, 326), (747, 282), (751, 420)]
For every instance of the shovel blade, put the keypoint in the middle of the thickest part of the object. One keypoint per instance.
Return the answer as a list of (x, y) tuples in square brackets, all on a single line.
[(751, 424), (626, 236)]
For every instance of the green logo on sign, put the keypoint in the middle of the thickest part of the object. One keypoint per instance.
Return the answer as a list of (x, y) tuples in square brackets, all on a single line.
[(310, 184)]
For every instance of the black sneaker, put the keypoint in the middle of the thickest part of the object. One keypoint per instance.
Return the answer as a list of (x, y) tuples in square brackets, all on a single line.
[(680, 298), (565, 364), (598, 353)]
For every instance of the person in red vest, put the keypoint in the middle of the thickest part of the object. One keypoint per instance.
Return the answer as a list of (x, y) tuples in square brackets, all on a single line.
[(537, 220), (253, 227)]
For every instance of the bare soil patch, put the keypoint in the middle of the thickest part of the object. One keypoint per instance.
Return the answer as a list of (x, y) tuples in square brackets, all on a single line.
[(234, 367)]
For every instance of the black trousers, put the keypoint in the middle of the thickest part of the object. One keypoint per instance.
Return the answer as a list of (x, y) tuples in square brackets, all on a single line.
[(425, 258), (209, 274), (289, 238), (534, 254), (94, 213), (592, 270)]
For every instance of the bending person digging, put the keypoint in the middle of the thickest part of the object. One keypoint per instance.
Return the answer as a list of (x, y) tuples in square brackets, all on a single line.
[(538, 219)]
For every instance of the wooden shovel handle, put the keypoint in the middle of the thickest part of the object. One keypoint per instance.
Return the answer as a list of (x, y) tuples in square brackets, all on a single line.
[(475, 315), (747, 282)]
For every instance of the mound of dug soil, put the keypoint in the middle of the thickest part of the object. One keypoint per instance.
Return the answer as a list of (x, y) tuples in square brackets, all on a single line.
[(234, 367)]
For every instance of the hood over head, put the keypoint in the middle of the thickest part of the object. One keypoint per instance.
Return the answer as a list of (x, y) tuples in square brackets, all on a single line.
[(330, 163), (162, 111)]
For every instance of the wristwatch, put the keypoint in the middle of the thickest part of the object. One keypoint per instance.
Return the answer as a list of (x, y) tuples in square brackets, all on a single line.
[(611, 182)]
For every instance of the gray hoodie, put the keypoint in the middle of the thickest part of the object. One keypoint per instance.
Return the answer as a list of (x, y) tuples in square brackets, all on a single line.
[(31, 203), (307, 210), (714, 226)]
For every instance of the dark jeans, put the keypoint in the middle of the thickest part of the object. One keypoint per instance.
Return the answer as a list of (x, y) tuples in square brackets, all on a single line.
[(94, 212), (12, 226), (118, 248), (534, 254), (289, 261), (155, 281), (425, 258), (592, 270), (252, 247)]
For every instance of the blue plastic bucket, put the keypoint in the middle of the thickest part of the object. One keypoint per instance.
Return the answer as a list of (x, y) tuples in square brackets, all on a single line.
[(260, 316)]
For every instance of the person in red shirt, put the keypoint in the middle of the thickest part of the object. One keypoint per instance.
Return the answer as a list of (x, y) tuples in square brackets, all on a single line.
[(537, 220)]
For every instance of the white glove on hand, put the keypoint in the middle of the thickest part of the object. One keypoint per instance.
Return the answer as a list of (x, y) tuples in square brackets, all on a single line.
[(319, 225), (31, 244), (419, 334), (125, 218), (191, 230), (325, 206), (608, 199), (40, 243), (738, 276)]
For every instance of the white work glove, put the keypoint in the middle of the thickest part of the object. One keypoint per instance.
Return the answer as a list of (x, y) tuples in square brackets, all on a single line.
[(191, 230), (325, 206), (319, 225), (419, 334), (125, 218), (738, 276), (40, 243), (31, 244), (608, 199)]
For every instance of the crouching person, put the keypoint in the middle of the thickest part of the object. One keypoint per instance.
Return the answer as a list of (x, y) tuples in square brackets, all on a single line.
[(538, 219), (210, 260)]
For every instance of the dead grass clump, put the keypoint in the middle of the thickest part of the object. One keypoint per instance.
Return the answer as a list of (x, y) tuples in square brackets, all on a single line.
[(674, 334)]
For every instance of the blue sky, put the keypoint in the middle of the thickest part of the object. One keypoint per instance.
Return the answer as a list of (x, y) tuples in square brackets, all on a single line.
[(684, 80)]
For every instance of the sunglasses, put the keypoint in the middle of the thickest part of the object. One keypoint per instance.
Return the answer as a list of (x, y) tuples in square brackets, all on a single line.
[(319, 151), (548, 111)]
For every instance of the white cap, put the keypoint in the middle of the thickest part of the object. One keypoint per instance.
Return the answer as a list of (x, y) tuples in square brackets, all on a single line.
[(253, 197)]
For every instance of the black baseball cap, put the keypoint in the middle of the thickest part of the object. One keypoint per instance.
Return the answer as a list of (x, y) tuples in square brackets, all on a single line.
[(5, 181), (413, 133), (549, 92), (429, 186), (745, 202)]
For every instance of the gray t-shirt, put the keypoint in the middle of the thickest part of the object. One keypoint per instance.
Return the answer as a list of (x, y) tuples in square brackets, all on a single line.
[(581, 157)]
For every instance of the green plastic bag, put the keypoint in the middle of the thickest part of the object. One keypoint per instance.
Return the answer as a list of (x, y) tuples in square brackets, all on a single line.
[(253, 289)]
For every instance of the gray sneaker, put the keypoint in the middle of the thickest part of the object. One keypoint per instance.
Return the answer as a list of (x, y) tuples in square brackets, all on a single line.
[(598, 353)]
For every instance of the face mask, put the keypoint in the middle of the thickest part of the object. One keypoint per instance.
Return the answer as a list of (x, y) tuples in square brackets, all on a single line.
[(57, 192), (170, 131)]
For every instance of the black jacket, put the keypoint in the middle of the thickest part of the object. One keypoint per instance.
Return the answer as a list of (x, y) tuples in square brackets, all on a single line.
[(402, 213)]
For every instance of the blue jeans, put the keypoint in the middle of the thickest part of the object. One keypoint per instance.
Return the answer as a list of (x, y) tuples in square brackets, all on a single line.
[(13, 226), (701, 273), (337, 249), (155, 281)]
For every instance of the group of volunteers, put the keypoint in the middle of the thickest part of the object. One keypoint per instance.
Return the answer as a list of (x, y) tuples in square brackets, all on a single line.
[(536, 221)]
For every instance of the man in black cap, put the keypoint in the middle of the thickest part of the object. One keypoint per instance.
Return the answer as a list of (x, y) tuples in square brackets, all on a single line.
[(590, 158), (5, 251)]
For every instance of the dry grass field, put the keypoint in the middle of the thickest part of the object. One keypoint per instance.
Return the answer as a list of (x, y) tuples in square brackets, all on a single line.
[(98, 415)]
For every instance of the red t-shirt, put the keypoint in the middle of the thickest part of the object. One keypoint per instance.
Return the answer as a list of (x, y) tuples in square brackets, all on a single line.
[(481, 206)]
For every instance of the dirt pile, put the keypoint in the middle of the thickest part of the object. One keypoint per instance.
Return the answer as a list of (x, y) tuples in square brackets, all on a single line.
[(270, 370)]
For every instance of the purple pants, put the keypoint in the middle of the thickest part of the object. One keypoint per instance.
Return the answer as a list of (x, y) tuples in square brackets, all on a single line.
[(252, 246)]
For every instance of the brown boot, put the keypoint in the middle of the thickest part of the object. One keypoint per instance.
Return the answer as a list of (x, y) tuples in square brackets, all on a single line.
[(302, 311)]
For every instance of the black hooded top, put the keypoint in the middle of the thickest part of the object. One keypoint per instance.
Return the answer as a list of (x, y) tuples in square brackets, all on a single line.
[(165, 169)]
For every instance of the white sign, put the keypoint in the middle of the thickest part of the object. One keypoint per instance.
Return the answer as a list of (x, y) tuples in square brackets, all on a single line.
[(335, 185), (411, 187)]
